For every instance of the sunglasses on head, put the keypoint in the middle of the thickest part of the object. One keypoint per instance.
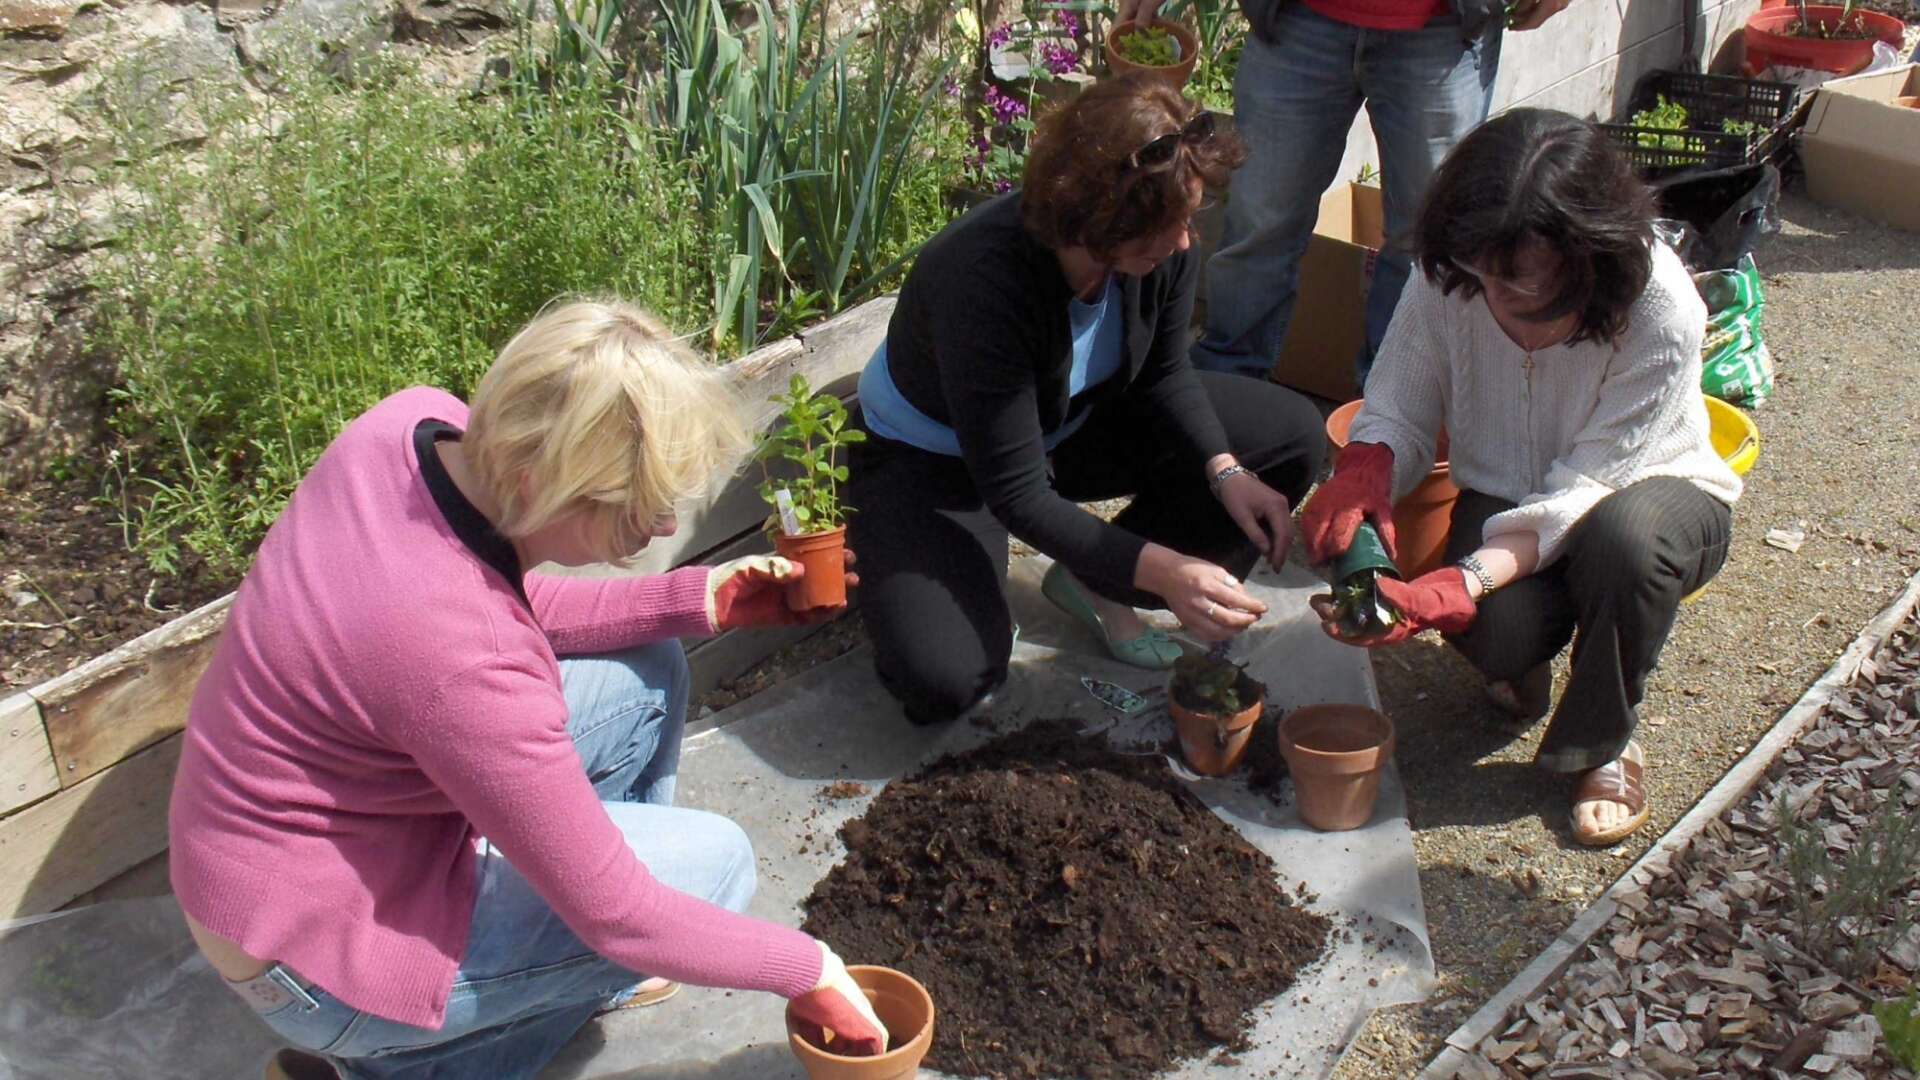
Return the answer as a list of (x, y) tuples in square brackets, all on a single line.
[(1160, 153)]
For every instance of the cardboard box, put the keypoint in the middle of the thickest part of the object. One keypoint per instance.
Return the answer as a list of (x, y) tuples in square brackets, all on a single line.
[(1862, 151), (1329, 311)]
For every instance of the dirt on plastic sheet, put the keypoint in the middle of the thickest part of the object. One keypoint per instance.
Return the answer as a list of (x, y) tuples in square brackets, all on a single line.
[(1073, 911)]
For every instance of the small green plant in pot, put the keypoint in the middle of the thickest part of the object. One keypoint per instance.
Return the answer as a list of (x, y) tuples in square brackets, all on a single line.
[(1214, 703), (809, 521), (1166, 49)]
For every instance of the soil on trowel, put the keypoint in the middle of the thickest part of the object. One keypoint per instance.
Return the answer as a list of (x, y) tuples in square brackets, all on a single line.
[(1074, 912)]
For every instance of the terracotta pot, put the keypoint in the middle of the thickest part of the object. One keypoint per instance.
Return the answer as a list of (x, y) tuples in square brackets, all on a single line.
[(1335, 754), (906, 1009), (1176, 73), (824, 555), (1422, 517), (1212, 744), (1908, 102), (1768, 42)]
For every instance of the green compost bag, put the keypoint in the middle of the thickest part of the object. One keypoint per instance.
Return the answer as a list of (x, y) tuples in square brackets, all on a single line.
[(1735, 364)]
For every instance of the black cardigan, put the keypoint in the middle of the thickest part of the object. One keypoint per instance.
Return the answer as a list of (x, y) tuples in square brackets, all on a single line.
[(981, 342)]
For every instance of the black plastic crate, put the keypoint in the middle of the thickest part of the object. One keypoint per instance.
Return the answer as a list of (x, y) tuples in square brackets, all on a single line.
[(1710, 101)]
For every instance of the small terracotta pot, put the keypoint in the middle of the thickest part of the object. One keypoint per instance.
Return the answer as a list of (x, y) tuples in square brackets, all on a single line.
[(824, 555), (1335, 754), (1176, 73), (906, 1009), (1213, 744)]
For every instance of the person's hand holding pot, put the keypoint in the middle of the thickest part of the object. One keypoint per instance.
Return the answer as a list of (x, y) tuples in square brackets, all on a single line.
[(1360, 489), (1143, 12), (837, 1004), (1209, 602), (751, 591), (1436, 600)]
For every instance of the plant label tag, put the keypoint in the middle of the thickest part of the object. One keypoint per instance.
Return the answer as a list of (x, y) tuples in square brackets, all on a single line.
[(1114, 696)]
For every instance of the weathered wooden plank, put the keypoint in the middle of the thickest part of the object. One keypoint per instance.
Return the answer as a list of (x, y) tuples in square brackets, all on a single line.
[(26, 762), (113, 705), (88, 834)]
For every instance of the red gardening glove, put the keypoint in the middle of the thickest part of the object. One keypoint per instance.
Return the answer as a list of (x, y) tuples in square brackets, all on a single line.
[(1437, 599), (836, 1015), (751, 591), (1361, 487)]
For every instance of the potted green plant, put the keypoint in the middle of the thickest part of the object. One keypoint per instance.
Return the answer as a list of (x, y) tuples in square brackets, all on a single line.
[(809, 522), (1214, 703), (1826, 37), (1166, 49)]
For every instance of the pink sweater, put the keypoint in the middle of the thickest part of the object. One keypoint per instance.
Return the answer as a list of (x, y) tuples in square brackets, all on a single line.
[(1381, 14), (381, 698)]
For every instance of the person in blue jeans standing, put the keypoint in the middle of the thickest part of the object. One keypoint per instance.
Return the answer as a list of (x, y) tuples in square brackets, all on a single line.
[(1425, 71)]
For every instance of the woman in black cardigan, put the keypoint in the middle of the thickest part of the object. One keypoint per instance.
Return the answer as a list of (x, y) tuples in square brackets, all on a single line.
[(1038, 359)]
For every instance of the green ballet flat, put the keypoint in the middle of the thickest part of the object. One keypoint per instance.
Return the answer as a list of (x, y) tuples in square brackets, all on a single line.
[(1152, 650)]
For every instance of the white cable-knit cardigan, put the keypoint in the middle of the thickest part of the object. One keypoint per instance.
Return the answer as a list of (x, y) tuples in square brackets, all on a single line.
[(1585, 421)]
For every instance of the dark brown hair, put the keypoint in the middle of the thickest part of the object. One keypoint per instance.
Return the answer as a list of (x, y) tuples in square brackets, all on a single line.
[(1537, 174), (1079, 188)]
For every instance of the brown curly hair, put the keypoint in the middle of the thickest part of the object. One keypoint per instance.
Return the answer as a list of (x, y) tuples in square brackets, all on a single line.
[(1079, 189)]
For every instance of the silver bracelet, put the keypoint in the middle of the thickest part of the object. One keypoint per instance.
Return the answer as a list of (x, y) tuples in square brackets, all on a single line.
[(1219, 479), (1472, 565)]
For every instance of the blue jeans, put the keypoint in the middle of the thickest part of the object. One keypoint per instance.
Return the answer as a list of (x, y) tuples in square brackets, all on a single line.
[(527, 983), (1294, 102)]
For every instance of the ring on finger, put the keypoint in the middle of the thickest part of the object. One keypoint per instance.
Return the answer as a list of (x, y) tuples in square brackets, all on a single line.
[(1211, 608)]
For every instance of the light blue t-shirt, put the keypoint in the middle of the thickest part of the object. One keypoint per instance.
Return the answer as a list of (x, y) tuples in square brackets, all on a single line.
[(1096, 358)]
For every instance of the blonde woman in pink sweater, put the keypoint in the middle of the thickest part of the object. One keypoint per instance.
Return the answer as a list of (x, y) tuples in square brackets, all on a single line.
[(423, 821)]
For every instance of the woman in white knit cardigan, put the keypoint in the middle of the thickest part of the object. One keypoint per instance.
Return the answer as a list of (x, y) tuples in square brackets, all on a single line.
[(1557, 344)]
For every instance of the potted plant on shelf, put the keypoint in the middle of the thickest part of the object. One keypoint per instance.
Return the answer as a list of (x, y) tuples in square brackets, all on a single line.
[(809, 522), (1214, 703), (1166, 49), (1837, 38)]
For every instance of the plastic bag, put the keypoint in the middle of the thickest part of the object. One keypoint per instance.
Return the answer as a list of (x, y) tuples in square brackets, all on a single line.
[(1728, 211), (1735, 364)]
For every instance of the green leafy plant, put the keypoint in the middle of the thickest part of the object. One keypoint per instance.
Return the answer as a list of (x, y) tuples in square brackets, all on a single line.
[(387, 236), (1900, 1024), (1848, 911), (1851, 25), (809, 437), (1665, 116), (1149, 46), (1220, 31), (1212, 681), (1741, 127)]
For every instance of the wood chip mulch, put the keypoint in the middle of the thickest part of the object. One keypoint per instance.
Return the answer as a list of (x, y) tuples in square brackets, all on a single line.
[(1701, 971)]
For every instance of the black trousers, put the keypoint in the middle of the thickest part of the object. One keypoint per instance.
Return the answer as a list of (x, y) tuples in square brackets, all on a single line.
[(933, 558), (1614, 590)]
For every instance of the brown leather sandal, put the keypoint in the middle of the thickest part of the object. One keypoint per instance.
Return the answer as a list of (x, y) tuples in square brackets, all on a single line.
[(1622, 781)]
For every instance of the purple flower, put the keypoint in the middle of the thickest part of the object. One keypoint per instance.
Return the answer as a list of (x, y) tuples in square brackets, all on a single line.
[(1005, 109), (1069, 23), (1059, 59), (1001, 187), (1000, 36), (952, 88)]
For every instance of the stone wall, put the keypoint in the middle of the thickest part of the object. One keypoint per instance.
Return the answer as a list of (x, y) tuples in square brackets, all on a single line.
[(55, 59)]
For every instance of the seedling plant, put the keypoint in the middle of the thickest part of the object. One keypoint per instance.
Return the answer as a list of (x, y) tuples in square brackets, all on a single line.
[(809, 437)]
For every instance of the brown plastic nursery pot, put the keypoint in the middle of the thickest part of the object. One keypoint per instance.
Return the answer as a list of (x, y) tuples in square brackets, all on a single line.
[(906, 1009), (1335, 754), (1176, 73), (1213, 744), (1423, 517), (824, 555)]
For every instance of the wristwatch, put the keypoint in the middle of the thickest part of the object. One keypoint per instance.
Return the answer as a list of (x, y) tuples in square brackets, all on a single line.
[(1219, 479), (1472, 565)]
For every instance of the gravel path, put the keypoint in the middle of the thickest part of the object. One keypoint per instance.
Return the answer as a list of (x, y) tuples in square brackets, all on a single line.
[(1840, 458)]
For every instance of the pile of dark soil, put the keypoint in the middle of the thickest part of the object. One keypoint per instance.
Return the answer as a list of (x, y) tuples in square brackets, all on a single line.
[(1074, 912), (69, 587)]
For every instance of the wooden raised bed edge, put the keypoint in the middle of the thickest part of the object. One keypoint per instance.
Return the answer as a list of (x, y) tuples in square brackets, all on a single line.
[(87, 758), (1738, 781)]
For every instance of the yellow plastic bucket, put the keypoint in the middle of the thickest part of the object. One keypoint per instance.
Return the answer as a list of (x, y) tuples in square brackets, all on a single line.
[(1735, 438)]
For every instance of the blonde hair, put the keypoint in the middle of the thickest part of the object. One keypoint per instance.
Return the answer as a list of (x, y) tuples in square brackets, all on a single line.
[(594, 408)]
